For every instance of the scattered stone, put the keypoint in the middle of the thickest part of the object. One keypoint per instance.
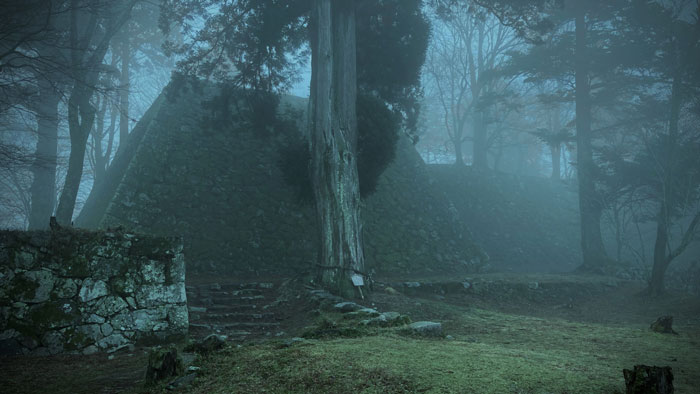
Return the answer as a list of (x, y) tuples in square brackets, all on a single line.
[(533, 285), (663, 325), (291, 341), (347, 306), (163, 364), (126, 348), (467, 284), (411, 284), (426, 329), (391, 291), (364, 312), (450, 338), (181, 382), (92, 349), (114, 340), (644, 379), (210, 343)]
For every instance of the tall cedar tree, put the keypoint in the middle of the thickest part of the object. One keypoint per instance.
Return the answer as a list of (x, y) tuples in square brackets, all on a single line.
[(264, 42)]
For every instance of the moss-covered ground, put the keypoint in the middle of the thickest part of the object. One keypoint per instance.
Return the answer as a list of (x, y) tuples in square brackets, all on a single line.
[(494, 348)]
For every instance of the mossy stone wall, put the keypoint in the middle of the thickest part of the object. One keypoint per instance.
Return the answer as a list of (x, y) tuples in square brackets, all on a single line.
[(219, 187), (82, 292)]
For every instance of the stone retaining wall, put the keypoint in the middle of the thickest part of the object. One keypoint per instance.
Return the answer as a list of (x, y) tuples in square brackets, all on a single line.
[(83, 292), (218, 185)]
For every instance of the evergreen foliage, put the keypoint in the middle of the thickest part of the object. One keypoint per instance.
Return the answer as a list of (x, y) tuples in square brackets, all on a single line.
[(378, 133)]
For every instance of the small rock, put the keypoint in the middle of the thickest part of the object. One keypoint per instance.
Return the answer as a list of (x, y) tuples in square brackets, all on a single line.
[(450, 338), (292, 341), (181, 382), (92, 349), (426, 328), (391, 291), (211, 343), (533, 285), (411, 284), (347, 306), (129, 347)]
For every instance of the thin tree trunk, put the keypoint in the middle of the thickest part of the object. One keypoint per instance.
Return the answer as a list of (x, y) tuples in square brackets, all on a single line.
[(124, 93), (661, 260), (333, 147), (97, 136), (81, 115), (85, 72), (479, 147), (459, 154), (589, 205), (658, 271), (43, 188), (556, 161)]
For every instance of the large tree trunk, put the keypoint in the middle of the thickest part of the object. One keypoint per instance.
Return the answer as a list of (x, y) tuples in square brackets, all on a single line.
[(333, 146), (479, 147), (590, 208), (43, 189)]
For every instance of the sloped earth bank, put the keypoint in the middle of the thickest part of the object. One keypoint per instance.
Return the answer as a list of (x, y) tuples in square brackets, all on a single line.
[(507, 334)]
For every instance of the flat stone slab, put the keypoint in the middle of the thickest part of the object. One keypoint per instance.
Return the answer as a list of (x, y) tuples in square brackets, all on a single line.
[(347, 306)]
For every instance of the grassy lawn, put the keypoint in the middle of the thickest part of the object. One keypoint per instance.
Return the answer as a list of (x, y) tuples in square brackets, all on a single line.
[(491, 353), (496, 345)]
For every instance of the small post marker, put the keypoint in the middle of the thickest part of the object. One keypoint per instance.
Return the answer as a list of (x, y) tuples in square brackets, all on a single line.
[(358, 282)]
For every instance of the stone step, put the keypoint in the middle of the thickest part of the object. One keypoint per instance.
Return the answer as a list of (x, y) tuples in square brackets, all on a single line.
[(209, 302), (248, 326), (233, 317), (248, 285), (204, 330), (226, 293), (232, 308), (222, 300)]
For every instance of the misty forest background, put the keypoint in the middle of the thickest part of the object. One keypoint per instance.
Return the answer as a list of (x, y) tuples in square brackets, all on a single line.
[(600, 96)]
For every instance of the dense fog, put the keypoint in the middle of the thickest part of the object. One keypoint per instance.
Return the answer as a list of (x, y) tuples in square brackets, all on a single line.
[(353, 171)]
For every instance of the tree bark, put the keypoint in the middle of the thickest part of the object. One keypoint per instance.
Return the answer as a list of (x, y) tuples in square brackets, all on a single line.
[(124, 93), (556, 161), (590, 209), (85, 72), (43, 188), (459, 154), (81, 115), (661, 260), (479, 147), (333, 146), (658, 271)]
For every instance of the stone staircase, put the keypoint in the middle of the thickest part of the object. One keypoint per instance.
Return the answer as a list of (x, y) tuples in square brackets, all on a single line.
[(241, 311)]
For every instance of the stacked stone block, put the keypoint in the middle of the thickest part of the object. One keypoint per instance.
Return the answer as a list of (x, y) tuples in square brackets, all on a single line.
[(84, 292)]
